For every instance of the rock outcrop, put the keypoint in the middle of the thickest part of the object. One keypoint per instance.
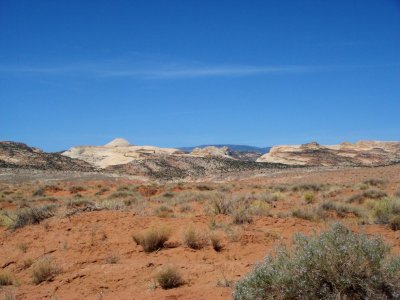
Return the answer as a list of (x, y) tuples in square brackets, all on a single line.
[(212, 151), (19, 155), (363, 153), (117, 152)]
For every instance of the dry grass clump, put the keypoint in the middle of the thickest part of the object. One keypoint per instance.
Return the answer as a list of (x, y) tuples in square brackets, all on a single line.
[(220, 204), (337, 264), (33, 215), (341, 209), (368, 194), (6, 279), (375, 182), (387, 211), (216, 242), (152, 239), (307, 187), (164, 211), (194, 239), (112, 258), (79, 202), (307, 214), (76, 189), (44, 270), (397, 193), (169, 278), (241, 216)]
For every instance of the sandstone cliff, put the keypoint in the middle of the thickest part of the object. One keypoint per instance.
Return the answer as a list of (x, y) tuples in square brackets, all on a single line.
[(363, 153)]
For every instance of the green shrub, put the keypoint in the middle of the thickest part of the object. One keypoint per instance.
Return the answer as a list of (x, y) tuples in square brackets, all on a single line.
[(336, 264), (152, 239), (309, 197), (384, 209), (169, 278), (33, 215)]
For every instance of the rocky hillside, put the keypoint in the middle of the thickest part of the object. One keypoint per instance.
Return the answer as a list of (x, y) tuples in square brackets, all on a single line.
[(19, 155), (171, 167), (363, 153), (117, 152)]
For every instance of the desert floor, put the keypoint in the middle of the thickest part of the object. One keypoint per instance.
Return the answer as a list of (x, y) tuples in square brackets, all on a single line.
[(87, 234)]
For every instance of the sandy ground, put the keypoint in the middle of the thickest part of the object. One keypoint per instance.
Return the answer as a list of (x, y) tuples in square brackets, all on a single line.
[(80, 245)]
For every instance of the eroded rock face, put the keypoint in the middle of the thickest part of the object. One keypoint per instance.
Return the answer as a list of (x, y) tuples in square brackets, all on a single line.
[(363, 153), (212, 151), (117, 152), (19, 155)]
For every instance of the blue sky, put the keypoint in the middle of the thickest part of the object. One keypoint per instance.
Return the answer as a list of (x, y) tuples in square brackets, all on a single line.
[(181, 73)]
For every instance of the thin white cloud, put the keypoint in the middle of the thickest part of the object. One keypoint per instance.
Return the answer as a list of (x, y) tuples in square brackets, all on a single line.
[(109, 70)]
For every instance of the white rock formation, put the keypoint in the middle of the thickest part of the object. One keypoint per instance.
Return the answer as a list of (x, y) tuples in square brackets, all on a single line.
[(117, 152)]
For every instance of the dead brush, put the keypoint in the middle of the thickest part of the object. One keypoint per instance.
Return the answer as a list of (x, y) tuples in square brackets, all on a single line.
[(169, 277), (44, 270), (152, 239), (194, 239)]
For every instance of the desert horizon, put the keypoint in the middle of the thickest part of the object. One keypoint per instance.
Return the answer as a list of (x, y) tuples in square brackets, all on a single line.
[(199, 150)]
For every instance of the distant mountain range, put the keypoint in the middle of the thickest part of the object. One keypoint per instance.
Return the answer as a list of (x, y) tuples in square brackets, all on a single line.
[(239, 148)]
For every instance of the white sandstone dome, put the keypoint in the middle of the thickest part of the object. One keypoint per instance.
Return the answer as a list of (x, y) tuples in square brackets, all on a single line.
[(119, 142)]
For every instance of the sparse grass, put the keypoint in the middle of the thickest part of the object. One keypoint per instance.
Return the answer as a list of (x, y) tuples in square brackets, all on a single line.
[(169, 278), (164, 211), (79, 202), (368, 194), (341, 209), (33, 215), (6, 279), (220, 205), (385, 211), (307, 187), (241, 216), (375, 182), (44, 270), (397, 193), (40, 192), (152, 239), (120, 194), (112, 205), (185, 208), (27, 263), (112, 258), (306, 214), (23, 247), (216, 242), (194, 239), (336, 264), (76, 189)]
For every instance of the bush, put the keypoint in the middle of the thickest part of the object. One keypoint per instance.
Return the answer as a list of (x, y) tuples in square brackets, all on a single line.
[(194, 239), (241, 216), (33, 215), (385, 209), (308, 187), (216, 243), (309, 197), (220, 205), (306, 214), (76, 189), (6, 279), (336, 264), (341, 209), (169, 278), (369, 194), (375, 182), (44, 270), (152, 239)]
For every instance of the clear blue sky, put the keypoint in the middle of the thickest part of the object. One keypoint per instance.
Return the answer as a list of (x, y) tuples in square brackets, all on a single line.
[(181, 73)]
